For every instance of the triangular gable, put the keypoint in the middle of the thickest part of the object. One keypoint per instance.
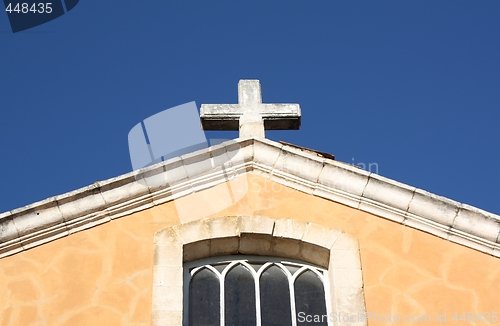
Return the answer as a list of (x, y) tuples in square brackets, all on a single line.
[(101, 202)]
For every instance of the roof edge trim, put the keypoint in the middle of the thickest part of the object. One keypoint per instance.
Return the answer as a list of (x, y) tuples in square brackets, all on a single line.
[(103, 201)]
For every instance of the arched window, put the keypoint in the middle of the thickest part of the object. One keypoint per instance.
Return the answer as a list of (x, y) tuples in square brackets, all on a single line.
[(255, 290), (220, 271)]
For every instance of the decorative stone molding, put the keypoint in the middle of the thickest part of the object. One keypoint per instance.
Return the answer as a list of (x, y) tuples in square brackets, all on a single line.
[(255, 235), (304, 170), (103, 201), (369, 192)]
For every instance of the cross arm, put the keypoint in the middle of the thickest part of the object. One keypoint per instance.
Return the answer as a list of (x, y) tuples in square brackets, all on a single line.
[(281, 116), (226, 116), (220, 116)]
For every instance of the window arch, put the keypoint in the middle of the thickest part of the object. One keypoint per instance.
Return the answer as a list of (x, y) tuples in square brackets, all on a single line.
[(329, 249), (254, 290)]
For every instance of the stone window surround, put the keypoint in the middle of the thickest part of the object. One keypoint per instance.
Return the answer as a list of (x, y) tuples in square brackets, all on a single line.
[(255, 235)]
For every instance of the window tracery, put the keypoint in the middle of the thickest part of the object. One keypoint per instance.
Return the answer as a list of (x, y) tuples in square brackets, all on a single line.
[(254, 290)]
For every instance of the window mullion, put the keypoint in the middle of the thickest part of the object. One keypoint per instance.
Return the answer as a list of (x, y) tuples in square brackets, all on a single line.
[(290, 278), (222, 299), (292, 299), (257, 298), (328, 298)]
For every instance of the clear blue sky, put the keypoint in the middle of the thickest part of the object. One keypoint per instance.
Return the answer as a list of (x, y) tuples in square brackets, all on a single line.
[(413, 86)]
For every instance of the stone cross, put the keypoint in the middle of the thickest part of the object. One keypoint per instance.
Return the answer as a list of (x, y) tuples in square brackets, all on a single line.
[(250, 116)]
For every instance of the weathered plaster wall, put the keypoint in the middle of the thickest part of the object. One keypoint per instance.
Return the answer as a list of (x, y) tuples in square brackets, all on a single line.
[(103, 276)]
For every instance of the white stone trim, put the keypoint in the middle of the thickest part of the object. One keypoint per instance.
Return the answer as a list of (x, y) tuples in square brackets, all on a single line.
[(59, 216), (261, 236), (306, 171)]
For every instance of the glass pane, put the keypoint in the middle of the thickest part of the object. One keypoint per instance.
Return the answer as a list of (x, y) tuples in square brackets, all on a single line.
[(204, 299), (256, 265), (239, 293), (275, 298), (292, 269), (220, 267), (310, 300)]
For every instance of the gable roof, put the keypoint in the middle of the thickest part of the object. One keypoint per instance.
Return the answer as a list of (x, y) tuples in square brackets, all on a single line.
[(299, 168)]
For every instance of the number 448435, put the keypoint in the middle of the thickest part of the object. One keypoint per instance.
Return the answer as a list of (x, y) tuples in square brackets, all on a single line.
[(471, 317), (24, 8)]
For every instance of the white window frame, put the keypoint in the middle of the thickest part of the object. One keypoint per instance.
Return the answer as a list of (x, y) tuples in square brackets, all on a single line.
[(290, 239), (191, 268)]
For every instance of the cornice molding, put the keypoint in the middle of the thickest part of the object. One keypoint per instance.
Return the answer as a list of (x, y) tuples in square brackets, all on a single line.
[(304, 170)]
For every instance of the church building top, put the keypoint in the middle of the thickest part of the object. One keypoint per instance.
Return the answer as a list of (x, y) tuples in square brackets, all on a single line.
[(306, 171)]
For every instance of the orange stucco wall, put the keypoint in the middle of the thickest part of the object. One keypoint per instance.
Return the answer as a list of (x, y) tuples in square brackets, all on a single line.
[(103, 276)]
